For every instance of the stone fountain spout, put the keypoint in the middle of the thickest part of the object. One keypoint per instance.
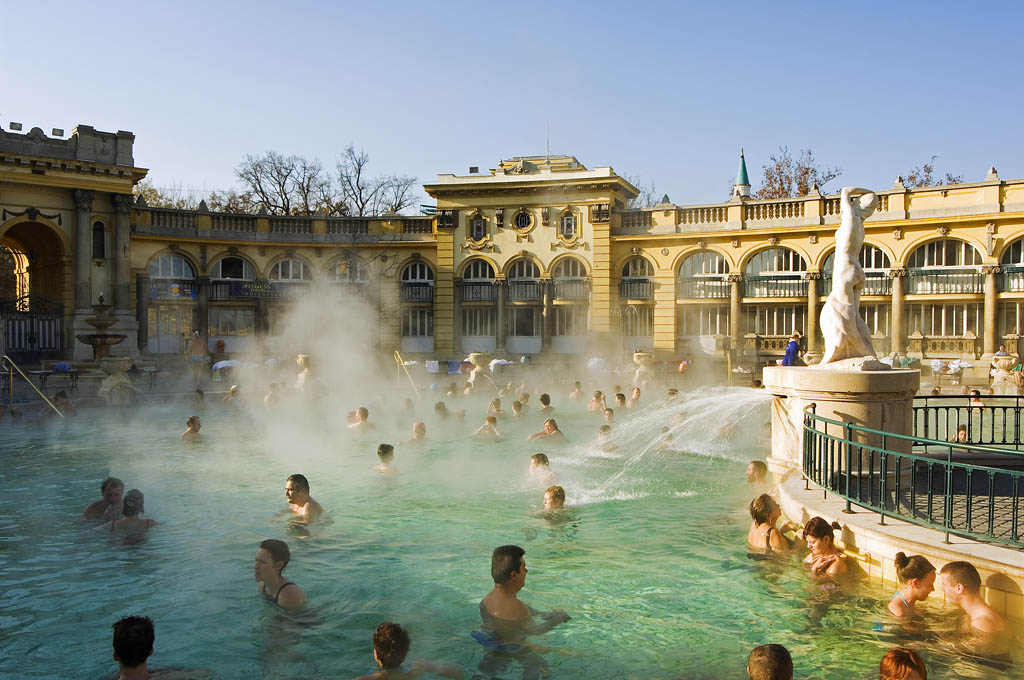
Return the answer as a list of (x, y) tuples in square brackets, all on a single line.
[(101, 341)]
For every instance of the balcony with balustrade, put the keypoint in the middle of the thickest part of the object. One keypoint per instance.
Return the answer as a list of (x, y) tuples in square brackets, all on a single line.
[(945, 282), (703, 287), (417, 291), (525, 291), (636, 289), (571, 289), (774, 287), (478, 291)]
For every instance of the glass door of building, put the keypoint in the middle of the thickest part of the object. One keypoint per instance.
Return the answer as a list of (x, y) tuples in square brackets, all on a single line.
[(169, 326)]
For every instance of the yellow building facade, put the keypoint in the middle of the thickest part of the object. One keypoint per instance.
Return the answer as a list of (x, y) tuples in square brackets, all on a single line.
[(538, 256)]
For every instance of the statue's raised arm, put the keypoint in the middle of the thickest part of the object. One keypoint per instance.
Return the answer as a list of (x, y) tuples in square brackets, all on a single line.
[(846, 335)]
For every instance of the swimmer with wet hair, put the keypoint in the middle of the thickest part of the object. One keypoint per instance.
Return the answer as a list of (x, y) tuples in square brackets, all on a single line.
[(554, 498), (825, 559), (577, 391), (61, 401), (524, 400), (550, 431), (763, 536), (634, 397), (109, 507), (620, 400), (604, 438), (133, 646), (233, 395), (391, 645), (901, 663), (545, 403), (494, 408), (386, 454), (441, 410), (517, 408), (609, 415), (961, 584), (419, 434), (132, 524), (770, 662), (597, 402), (192, 426), (489, 430), (268, 567), (917, 580), (757, 472), (300, 503), (362, 421), (539, 463)]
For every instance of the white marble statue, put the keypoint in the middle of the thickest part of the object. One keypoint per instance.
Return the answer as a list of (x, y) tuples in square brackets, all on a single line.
[(846, 335)]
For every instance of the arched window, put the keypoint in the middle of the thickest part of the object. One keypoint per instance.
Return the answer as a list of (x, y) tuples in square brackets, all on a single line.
[(637, 268), (945, 267), (775, 273), (232, 268), (171, 267), (350, 271), (290, 270), (570, 283), (636, 281), (478, 270), (873, 261), (1012, 274), (99, 240), (570, 268), (523, 269), (702, 275), (418, 284)]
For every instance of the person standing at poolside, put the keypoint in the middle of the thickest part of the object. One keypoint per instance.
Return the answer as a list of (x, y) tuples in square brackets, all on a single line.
[(508, 621), (550, 431), (793, 349), (197, 351), (109, 507), (271, 559), (300, 503)]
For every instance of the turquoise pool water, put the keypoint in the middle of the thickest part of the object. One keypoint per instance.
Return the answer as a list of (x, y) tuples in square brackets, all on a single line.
[(649, 560)]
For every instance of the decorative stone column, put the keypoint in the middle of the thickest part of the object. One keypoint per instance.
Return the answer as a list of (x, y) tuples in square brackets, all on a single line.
[(83, 248), (898, 326), (548, 319), (122, 251), (813, 354), (203, 306), (499, 340), (735, 304), (142, 311), (990, 337), (456, 317)]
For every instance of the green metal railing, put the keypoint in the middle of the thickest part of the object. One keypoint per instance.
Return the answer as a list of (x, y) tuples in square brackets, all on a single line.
[(931, 487), (997, 423), (7, 364)]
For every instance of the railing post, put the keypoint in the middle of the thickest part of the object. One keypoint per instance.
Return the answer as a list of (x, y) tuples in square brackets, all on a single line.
[(849, 468)]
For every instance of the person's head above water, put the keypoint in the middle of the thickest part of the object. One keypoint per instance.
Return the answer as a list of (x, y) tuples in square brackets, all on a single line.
[(296, 489), (539, 461), (609, 413), (620, 399), (133, 503), (913, 567), (273, 555), (605, 430), (770, 662), (508, 565), (112, 489), (491, 420), (598, 394), (362, 413), (390, 645), (554, 498), (133, 640), (439, 407), (517, 407), (763, 509), (193, 423), (545, 399), (958, 578), (198, 394), (495, 403), (386, 453), (419, 428), (550, 425), (757, 471), (820, 534), (901, 663)]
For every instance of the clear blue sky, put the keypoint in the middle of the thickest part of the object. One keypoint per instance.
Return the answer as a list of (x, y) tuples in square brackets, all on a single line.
[(666, 91)]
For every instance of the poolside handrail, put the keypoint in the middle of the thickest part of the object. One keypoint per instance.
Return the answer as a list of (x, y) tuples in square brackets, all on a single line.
[(874, 476), (996, 423), (401, 363), (8, 363)]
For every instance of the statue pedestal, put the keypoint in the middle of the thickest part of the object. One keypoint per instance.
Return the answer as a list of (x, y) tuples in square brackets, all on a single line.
[(116, 389), (881, 400), (1003, 381)]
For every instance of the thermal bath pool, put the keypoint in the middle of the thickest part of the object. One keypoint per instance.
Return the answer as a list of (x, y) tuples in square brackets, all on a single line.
[(650, 560)]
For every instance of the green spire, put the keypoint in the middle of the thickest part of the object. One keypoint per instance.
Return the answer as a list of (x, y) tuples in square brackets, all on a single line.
[(741, 176)]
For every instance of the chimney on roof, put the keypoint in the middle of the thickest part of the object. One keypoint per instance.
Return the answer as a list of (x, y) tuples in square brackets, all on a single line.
[(474, 169)]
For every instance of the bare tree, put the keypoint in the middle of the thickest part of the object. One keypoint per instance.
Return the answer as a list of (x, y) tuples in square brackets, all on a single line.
[(923, 176), (366, 195), (173, 195), (648, 196), (785, 176), (232, 201)]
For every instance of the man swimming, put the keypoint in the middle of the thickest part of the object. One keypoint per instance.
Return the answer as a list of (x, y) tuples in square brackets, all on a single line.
[(985, 628), (300, 503), (133, 645), (192, 426), (419, 434), (362, 421), (109, 507), (554, 498), (507, 621), (390, 646), (386, 455)]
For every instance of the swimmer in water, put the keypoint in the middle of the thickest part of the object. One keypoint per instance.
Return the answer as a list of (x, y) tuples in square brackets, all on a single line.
[(550, 431), (61, 401), (825, 560), (300, 503), (763, 536), (390, 646), (131, 524), (770, 662), (133, 646), (419, 434), (507, 621), (517, 408), (985, 629), (665, 440), (198, 400), (524, 400), (489, 430), (386, 454), (233, 395), (362, 420), (545, 404), (109, 507), (609, 415), (917, 580), (192, 426), (901, 663), (271, 559), (634, 398), (604, 438), (494, 408), (540, 469), (597, 402), (441, 410), (620, 400), (554, 498), (577, 391)]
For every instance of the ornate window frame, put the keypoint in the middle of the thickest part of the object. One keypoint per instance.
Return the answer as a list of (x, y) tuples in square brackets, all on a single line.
[(531, 225), (577, 230), (476, 218)]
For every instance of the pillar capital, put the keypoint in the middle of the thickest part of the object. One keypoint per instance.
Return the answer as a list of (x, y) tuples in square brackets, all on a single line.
[(83, 198), (988, 269), (896, 272), (122, 203)]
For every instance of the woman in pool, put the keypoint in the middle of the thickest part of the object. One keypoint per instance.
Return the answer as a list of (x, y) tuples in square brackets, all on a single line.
[(825, 560), (917, 580), (763, 536), (550, 431), (901, 663), (131, 524), (271, 559)]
